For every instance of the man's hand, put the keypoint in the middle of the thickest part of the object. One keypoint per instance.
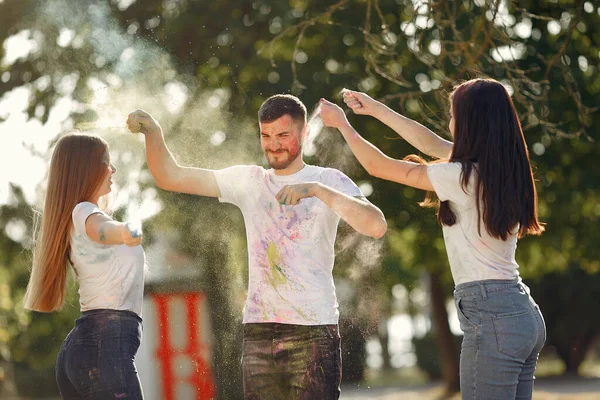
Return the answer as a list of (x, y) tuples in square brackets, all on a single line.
[(332, 115), (131, 234), (141, 121), (292, 194)]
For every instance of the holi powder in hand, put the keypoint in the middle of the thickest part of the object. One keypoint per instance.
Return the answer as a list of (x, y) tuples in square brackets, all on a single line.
[(135, 228), (134, 223)]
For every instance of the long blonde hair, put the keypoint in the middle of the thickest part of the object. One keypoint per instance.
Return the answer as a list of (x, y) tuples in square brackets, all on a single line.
[(75, 175)]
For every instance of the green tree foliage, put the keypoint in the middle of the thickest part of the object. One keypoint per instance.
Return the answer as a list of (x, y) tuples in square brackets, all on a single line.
[(227, 57), (29, 340), (14, 225), (566, 298)]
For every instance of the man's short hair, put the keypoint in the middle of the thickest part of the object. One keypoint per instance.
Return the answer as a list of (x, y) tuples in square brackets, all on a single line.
[(279, 105)]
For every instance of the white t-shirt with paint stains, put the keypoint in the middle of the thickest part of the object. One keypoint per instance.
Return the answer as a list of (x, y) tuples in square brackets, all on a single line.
[(110, 276), (472, 257), (290, 248)]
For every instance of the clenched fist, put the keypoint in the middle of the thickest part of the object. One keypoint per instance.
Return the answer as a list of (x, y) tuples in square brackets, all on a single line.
[(332, 115), (141, 121), (361, 103)]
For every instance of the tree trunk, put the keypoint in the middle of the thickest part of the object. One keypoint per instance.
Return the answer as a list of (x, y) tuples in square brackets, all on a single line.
[(573, 352), (7, 385), (444, 337), (226, 328), (384, 338)]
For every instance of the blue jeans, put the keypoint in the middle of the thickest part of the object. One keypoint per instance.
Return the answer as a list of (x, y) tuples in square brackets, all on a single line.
[(291, 362), (504, 332), (96, 359)]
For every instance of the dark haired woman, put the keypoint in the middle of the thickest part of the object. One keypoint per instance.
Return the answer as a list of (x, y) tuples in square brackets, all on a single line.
[(487, 201)]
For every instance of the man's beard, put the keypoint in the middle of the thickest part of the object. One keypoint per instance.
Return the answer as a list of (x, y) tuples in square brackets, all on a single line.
[(286, 163)]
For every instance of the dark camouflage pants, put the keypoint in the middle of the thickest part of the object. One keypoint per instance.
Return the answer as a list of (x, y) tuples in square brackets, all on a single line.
[(282, 361)]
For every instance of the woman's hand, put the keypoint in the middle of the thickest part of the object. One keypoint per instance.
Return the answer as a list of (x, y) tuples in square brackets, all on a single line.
[(360, 103), (131, 234), (332, 115)]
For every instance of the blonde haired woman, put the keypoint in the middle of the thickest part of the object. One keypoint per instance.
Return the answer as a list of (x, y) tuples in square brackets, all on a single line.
[(96, 360)]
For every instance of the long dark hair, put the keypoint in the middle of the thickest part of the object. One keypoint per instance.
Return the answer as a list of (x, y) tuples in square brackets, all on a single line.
[(488, 138)]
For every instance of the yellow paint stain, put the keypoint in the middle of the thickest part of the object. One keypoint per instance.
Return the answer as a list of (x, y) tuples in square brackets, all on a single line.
[(277, 276)]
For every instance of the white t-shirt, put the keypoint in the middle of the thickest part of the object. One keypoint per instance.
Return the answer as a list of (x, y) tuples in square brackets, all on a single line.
[(290, 248), (472, 257), (110, 276)]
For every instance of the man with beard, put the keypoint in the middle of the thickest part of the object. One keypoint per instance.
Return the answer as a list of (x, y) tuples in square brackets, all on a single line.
[(291, 347)]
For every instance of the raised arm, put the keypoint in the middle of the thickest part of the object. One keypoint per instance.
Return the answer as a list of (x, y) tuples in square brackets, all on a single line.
[(167, 174), (414, 133), (104, 230), (359, 213), (370, 157)]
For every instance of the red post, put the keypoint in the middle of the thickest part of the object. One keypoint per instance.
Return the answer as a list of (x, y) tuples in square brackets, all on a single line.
[(202, 377)]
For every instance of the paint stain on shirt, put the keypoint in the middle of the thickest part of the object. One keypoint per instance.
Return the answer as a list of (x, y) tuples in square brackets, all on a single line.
[(277, 277)]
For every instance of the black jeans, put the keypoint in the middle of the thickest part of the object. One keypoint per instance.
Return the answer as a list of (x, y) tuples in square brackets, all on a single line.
[(96, 359), (291, 362)]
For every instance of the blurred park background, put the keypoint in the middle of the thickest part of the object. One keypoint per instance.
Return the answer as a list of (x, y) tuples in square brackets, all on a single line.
[(202, 68)]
